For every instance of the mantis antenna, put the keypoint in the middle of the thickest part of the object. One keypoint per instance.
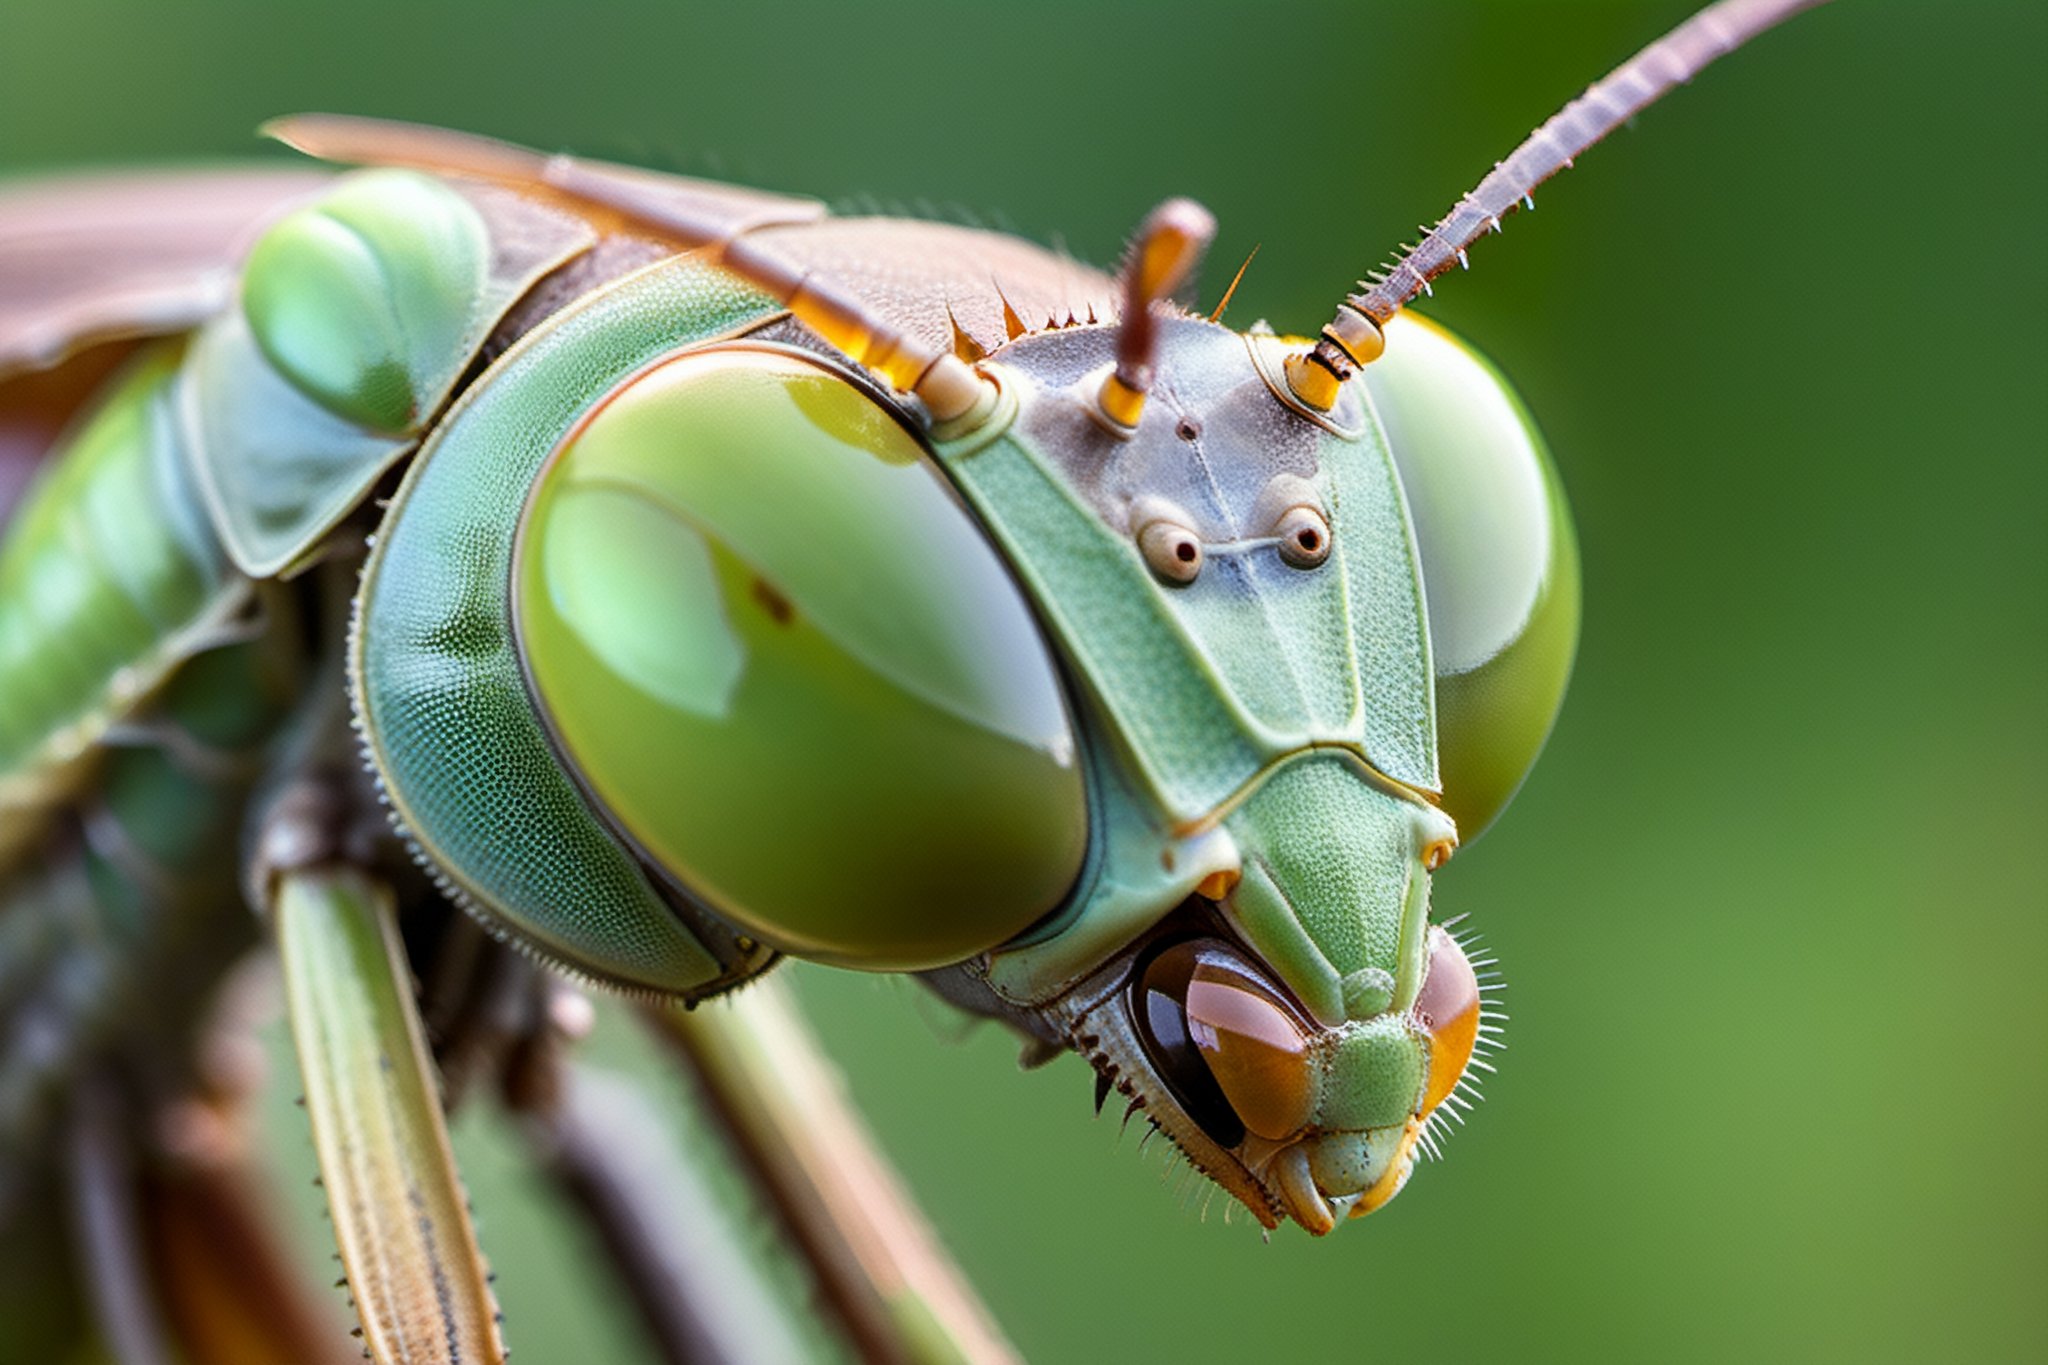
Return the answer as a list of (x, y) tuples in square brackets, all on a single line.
[(1168, 247), (1353, 338), (949, 387)]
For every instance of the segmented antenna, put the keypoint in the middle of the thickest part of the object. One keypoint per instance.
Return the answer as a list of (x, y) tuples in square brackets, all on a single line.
[(1168, 247), (1353, 336), (949, 386)]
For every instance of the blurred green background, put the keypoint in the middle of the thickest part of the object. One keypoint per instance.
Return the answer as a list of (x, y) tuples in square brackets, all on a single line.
[(1773, 906)]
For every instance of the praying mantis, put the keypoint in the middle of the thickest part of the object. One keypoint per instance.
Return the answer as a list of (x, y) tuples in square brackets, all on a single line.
[(672, 578)]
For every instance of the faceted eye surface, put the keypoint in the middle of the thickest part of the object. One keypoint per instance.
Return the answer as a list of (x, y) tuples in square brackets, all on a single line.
[(1500, 567), (784, 661)]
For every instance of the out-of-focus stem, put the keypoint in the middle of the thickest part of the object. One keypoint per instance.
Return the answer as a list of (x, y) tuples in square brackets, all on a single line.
[(699, 1297), (107, 1226), (229, 1286), (783, 1107)]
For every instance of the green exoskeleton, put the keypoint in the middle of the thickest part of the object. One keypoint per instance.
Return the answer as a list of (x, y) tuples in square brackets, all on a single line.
[(678, 577)]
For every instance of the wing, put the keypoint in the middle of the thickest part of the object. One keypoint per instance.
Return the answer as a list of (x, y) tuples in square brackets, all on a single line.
[(90, 262), (89, 258), (642, 198), (921, 278)]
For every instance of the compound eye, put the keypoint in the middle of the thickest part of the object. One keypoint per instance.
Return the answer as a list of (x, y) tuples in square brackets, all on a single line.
[(789, 668), (1172, 550), (1232, 1050), (1304, 536), (1500, 569)]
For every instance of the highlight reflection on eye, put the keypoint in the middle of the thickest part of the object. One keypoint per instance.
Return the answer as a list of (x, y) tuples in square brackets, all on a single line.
[(1231, 1049)]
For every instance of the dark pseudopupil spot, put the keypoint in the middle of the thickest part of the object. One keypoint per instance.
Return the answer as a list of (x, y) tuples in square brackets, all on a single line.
[(1159, 1009), (1308, 540), (1185, 552), (778, 606)]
